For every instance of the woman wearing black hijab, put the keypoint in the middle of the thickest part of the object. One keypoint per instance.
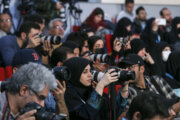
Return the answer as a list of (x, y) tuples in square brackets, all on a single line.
[(173, 67), (82, 100), (151, 35), (122, 30), (163, 50)]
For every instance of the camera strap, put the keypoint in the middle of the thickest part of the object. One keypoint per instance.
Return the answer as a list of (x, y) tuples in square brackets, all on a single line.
[(6, 112)]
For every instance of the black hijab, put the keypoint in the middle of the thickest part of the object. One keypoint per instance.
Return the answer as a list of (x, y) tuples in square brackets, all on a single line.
[(173, 65), (161, 69), (76, 66), (120, 30)]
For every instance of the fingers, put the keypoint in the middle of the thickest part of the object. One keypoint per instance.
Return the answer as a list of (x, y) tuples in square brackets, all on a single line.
[(27, 116)]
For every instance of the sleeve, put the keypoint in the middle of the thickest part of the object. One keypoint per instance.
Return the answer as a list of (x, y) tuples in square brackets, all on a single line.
[(83, 110), (121, 103), (7, 52)]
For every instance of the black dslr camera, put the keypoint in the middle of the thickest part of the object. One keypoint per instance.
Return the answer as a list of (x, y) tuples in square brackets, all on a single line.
[(62, 73), (41, 114)]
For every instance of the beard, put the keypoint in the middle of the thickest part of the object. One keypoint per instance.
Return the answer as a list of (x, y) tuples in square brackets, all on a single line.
[(25, 43)]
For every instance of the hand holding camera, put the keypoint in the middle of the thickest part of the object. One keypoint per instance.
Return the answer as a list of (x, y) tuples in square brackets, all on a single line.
[(34, 41), (27, 115)]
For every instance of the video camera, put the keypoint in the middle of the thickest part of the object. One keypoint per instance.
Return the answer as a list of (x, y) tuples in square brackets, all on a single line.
[(62, 73), (41, 114), (52, 39), (123, 75)]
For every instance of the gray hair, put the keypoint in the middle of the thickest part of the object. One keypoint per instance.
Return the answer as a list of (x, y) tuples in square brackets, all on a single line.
[(50, 25), (35, 75)]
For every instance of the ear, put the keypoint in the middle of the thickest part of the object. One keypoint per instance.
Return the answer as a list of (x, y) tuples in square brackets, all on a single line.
[(59, 63), (23, 90), (14, 69), (23, 35), (137, 116), (142, 69)]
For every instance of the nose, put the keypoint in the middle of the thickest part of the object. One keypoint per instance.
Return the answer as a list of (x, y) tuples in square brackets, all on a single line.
[(41, 103)]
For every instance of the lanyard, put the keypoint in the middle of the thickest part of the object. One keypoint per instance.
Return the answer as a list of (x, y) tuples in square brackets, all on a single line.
[(6, 112)]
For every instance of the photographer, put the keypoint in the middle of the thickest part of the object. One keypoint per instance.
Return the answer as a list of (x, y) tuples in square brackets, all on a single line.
[(26, 38), (31, 83), (82, 100), (142, 83)]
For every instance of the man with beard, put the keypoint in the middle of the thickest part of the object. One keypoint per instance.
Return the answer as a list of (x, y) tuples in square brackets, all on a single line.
[(26, 37), (140, 20)]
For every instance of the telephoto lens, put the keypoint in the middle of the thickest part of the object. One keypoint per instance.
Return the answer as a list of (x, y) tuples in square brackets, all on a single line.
[(102, 58), (52, 39)]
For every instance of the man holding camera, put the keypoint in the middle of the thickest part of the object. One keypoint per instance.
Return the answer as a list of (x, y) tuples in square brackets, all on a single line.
[(26, 37), (155, 84), (30, 83)]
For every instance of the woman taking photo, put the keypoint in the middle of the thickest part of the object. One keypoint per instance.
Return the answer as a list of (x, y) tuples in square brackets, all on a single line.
[(83, 101)]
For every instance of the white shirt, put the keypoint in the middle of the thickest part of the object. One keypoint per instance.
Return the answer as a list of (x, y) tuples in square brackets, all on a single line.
[(125, 14)]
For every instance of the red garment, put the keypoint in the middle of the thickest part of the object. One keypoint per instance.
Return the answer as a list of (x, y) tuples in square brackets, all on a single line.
[(89, 22)]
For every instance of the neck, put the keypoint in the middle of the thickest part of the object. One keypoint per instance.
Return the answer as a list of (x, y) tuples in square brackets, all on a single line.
[(141, 82), (12, 103), (19, 41)]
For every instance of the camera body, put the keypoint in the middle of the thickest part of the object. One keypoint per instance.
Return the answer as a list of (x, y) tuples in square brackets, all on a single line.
[(123, 40), (41, 114), (123, 75), (62, 73), (52, 39)]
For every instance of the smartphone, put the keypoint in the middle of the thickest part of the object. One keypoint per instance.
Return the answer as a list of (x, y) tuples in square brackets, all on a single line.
[(161, 21)]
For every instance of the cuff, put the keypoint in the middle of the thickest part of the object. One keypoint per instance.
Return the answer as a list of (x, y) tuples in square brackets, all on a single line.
[(95, 100)]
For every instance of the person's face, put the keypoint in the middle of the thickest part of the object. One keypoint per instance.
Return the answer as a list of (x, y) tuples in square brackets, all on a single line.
[(142, 53), (86, 76), (57, 29), (5, 23), (98, 18), (167, 15), (32, 96), (167, 49), (76, 52), (85, 47), (128, 28), (129, 7), (142, 15), (98, 44)]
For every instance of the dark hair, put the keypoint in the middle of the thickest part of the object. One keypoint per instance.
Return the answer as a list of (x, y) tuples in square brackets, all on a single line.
[(60, 55), (139, 9), (26, 27), (129, 1), (8, 13), (161, 12), (98, 11), (37, 18), (78, 37), (92, 40), (149, 105)]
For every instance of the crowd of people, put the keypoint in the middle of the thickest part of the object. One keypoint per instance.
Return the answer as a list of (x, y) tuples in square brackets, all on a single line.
[(131, 74)]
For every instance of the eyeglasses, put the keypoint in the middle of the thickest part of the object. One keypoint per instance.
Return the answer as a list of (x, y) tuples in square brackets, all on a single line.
[(58, 27), (40, 97), (5, 20)]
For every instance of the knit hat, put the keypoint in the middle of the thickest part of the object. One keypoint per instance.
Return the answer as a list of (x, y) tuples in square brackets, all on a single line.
[(137, 45), (76, 66)]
